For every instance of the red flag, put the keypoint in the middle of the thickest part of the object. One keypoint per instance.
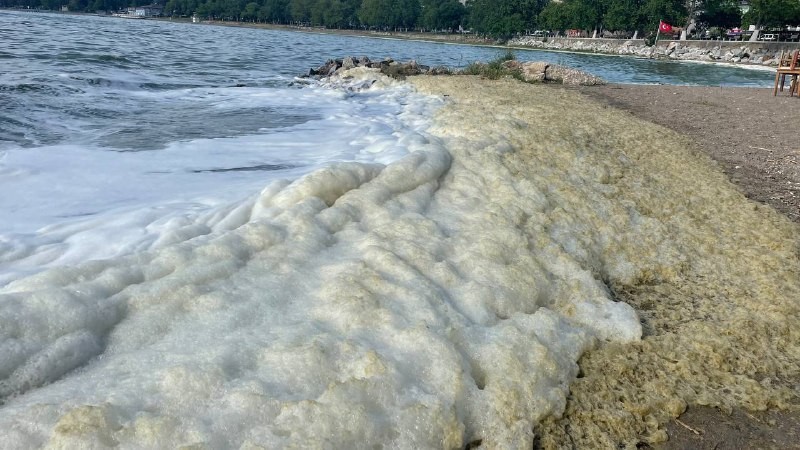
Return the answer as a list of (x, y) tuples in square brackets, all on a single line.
[(664, 27)]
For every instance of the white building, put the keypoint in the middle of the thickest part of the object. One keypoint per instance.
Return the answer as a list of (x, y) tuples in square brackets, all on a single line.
[(147, 11)]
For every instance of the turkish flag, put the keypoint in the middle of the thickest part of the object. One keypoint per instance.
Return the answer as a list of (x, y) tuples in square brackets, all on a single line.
[(664, 27)]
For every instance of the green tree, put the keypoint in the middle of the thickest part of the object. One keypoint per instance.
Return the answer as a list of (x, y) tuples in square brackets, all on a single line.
[(250, 12), (773, 13), (721, 13), (300, 10), (501, 18), (441, 14), (571, 14), (49, 4), (77, 5), (350, 12), (374, 13), (404, 13), (329, 13), (622, 15), (670, 11), (276, 11), (389, 13)]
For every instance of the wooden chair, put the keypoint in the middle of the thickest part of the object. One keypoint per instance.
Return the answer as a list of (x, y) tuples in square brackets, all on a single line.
[(787, 66)]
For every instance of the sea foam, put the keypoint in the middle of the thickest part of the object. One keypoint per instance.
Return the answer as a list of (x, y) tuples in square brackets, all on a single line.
[(75, 202), (411, 305)]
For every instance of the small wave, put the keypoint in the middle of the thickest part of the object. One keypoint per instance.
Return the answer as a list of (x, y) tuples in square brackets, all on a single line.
[(43, 88), (257, 168), (101, 59), (110, 83), (168, 86), (119, 84), (113, 58)]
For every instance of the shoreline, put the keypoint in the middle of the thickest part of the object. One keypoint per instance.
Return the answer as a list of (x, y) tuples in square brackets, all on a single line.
[(628, 184), (472, 41)]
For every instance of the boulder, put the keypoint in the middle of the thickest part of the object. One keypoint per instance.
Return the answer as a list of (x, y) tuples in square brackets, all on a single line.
[(671, 47), (348, 63), (534, 71), (573, 77), (399, 70)]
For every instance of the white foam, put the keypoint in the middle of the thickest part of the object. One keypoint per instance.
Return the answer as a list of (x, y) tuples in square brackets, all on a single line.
[(361, 305), (74, 203)]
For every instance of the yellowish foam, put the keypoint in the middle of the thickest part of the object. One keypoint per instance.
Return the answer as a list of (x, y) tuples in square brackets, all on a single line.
[(713, 276)]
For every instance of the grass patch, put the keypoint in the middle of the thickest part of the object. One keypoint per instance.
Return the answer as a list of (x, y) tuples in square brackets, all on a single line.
[(496, 68)]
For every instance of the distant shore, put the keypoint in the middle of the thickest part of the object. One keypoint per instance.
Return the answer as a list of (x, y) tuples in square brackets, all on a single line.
[(716, 52)]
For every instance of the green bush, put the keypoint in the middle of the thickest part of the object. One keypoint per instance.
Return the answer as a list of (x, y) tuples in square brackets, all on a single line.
[(507, 56), (494, 69)]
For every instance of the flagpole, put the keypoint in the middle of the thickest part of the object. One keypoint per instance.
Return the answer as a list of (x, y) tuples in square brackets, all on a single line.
[(655, 44)]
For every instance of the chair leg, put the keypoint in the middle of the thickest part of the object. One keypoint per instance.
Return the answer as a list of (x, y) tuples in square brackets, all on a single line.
[(775, 90)]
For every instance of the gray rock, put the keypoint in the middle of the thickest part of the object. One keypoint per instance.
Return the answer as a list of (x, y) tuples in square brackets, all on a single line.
[(534, 71), (671, 47), (348, 63), (573, 77)]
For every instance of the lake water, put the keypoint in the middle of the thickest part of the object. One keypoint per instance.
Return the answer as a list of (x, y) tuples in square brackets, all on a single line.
[(167, 226)]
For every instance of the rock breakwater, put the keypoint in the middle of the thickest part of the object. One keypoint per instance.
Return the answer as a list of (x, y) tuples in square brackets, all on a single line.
[(531, 71)]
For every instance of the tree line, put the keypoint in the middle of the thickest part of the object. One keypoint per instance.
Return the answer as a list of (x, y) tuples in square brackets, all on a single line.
[(495, 18)]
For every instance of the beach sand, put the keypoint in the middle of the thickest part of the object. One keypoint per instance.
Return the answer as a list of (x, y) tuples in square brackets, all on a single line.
[(719, 363), (753, 135)]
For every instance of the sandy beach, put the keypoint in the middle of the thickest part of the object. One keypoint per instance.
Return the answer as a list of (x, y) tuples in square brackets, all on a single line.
[(720, 341), (750, 133)]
